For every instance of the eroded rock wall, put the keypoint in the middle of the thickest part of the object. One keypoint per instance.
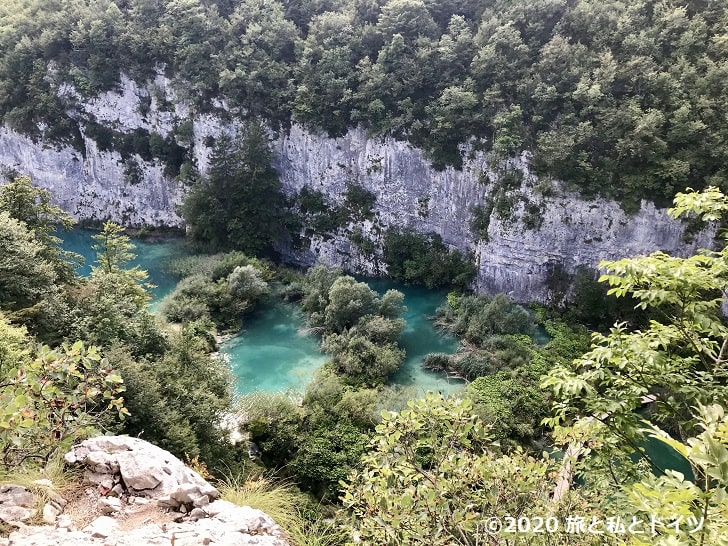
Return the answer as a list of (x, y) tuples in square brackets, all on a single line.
[(529, 237)]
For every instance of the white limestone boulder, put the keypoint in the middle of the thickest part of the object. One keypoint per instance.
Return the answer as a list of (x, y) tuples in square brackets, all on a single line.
[(142, 469), (16, 504)]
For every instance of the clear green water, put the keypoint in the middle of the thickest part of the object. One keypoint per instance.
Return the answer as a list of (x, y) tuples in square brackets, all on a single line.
[(272, 352), (667, 458), (420, 337), (152, 256)]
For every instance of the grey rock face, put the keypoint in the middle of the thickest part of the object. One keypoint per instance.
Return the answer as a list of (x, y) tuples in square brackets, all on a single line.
[(91, 185), (142, 468), (223, 524), (530, 237), (148, 475), (50, 513), (102, 527), (16, 503)]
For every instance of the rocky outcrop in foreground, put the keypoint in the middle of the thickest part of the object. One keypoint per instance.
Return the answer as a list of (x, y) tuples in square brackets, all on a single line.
[(136, 494)]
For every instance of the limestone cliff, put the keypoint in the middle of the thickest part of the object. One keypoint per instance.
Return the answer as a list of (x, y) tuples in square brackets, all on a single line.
[(527, 232)]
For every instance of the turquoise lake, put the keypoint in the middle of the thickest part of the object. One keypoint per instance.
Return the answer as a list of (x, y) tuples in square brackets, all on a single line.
[(272, 352), (152, 256)]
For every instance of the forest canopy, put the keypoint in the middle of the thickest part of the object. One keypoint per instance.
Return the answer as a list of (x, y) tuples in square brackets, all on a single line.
[(626, 99)]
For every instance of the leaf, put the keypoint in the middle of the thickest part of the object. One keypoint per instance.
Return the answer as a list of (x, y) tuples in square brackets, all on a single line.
[(666, 439)]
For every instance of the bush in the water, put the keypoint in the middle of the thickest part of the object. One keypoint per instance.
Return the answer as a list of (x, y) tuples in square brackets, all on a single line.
[(475, 318), (360, 329), (228, 287), (362, 360)]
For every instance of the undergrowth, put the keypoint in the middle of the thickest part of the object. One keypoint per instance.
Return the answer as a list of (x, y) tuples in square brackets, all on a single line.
[(288, 507), (64, 482)]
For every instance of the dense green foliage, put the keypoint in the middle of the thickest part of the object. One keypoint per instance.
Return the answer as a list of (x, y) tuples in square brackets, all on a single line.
[(318, 441), (177, 400), (50, 398), (239, 204), (503, 363), (221, 288), (433, 475), (676, 366), (422, 480), (25, 276), (625, 99), (359, 329), (424, 259), (433, 472), (33, 206), (176, 393), (493, 330), (675, 360)]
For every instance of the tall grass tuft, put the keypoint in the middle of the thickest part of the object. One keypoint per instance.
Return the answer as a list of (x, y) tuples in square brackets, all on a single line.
[(283, 502), (66, 483), (53, 471)]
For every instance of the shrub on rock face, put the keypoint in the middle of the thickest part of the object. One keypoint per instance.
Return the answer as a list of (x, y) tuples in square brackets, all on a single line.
[(412, 257)]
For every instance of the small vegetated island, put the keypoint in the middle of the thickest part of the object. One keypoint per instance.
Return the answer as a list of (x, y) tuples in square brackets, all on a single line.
[(547, 441)]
